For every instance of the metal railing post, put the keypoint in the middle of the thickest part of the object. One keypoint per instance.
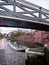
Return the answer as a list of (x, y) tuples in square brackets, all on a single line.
[(14, 7)]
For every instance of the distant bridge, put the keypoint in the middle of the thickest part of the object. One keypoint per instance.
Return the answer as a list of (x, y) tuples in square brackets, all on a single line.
[(32, 16)]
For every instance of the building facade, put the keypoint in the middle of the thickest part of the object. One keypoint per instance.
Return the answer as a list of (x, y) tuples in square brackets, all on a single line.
[(41, 36)]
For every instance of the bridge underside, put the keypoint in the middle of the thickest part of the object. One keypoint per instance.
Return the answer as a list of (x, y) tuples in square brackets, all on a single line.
[(20, 23)]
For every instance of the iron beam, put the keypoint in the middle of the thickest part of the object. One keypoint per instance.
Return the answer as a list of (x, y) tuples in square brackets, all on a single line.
[(23, 24)]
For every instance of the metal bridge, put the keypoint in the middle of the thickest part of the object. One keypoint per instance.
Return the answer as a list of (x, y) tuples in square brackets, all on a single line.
[(32, 16)]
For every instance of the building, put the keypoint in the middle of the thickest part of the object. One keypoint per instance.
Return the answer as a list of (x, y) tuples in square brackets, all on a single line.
[(41, 36)]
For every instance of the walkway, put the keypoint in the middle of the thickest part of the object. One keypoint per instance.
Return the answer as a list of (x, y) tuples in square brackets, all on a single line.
[(9, 56), (3, 60)]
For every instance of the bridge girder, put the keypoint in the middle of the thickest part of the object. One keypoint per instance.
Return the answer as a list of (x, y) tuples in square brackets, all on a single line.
[(33, 21)]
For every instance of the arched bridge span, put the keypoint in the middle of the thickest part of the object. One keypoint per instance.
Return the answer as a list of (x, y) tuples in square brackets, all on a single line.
[(31, 16)]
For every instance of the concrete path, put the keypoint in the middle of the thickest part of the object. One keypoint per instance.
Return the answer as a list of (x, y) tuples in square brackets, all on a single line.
[(3, 60), (9, 56)]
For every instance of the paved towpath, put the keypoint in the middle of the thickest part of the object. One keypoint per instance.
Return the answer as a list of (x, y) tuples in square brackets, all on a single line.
[(10, 57)]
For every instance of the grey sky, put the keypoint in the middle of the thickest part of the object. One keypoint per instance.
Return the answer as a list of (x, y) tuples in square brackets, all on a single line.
[(42, 3), (9, 29)]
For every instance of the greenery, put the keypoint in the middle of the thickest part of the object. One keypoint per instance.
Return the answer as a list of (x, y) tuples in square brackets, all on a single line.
[(1, 35), (47, 54), (13, 37)]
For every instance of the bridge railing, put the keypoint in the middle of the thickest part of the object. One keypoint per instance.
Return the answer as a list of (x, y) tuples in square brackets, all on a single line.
[(30, 12)]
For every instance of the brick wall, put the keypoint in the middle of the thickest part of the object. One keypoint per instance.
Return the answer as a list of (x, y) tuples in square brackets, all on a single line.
[(38, 36), (41, 36)]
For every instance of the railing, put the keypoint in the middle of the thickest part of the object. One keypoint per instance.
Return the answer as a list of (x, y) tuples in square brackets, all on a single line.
[(30, 12)]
